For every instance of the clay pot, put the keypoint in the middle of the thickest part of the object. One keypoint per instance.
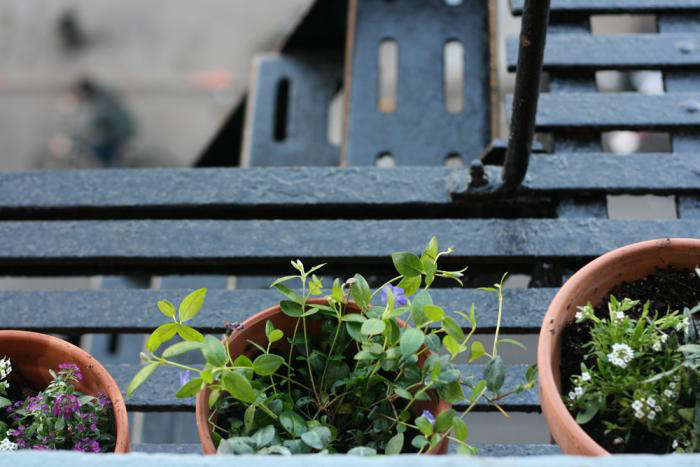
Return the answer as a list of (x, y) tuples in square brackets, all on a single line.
[(254, 330), (590, 285), (34, 354)]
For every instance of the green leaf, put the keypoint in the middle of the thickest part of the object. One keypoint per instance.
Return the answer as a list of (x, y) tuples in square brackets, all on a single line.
[(249, 418), (283, 279), (269, 327), (452, 328), (480, 386), (477, 351), (243, 360), (432, 341), (317, 437), (236, 445), (293, 423), (394, 445), (207, 375), (430, 268), (411, 340), (192, 303), (267, 364), (511, 342), (180, 348), (238, 386), (401, 392), (4, 402), (460, 429), (354, 331), (433, 312), (275, 335), (290, 308), (362, 451), (337, 291), (452, 346), (190, 388), (189, 334), (419, 442), (589, 412), (140, 377), (353, 317), (214, 351), (432, 249), (421, 299), (424, 426), (453, 392), (166, 308), (289, 293), (372, 327), (360, 291), (213, 397), (410, 285), (443, 422), (264, 436), (407, 264), (495, 374), (162, 334)]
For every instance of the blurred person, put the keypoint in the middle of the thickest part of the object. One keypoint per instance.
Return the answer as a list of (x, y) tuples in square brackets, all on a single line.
[(108, 125)]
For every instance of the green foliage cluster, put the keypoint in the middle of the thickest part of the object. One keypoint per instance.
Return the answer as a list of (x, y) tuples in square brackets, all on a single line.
[(641, 375), (360, 385)]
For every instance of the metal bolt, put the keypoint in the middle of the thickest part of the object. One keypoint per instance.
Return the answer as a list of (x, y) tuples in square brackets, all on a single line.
[(691, 107), (477, 174), (685, 47)]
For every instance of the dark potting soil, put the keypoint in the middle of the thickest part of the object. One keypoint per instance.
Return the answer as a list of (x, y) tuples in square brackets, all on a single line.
[(666, 290)]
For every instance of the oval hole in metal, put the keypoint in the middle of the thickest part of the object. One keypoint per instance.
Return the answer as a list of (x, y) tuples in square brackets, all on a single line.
[(453, 76), (334, 128), (388, 65), (281, 110), (385, 160), (454, 160)]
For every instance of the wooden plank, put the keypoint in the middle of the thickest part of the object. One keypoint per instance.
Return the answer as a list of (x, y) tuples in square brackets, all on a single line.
[(157, 394), (617, 111), (597, 7), (258, 247), (618, 52), (134, 311)]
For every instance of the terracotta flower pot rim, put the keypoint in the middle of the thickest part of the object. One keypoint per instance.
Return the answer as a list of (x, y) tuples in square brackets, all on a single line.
[(202, 399), (548, 386), (88, 366)]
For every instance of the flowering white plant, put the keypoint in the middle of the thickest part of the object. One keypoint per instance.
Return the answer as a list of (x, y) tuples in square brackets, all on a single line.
[(632, 378)]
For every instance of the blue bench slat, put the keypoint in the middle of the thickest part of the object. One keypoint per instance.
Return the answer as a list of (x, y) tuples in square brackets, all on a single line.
[(629, 51), (617, 111), (87, 246), (614, 6)]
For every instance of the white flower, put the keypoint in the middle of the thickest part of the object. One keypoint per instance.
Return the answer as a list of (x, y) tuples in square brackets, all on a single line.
[(621, 355), (639, 414), (672, 385), (618, 441), (664, 337), (656, 346), (5, 367), (683, 325), (651, 401), (585, 376), (668, 393), (7, 445), (619, 315), (579, 316), (651, 415), (674, 445), (579, 391), (637, 405), (572, 395)]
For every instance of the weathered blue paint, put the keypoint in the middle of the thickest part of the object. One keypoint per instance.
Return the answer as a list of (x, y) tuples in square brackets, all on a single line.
[(615, 6)]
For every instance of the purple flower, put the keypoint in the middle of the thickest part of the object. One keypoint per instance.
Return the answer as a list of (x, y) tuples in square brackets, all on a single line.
[(72, 369), (103, 400), (428, 416), (40, 447), (66, 405), (233, 327), (87, 445), (396, 292)]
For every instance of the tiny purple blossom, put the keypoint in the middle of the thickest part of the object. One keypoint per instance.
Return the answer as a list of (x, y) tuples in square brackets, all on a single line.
[(66, 405), (428, 416), (396, 292), (73, 368)]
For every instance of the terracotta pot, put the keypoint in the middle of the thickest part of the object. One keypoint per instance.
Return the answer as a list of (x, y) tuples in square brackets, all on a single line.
[(590, 285), (35, 354), (254, 330)]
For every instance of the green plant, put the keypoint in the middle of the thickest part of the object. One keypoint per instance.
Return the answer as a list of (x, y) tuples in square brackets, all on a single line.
[(637, 376), (357, 385)]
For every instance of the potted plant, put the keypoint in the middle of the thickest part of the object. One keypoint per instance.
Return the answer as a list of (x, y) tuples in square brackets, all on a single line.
[(54, 395), (618, 346), (335, 372)]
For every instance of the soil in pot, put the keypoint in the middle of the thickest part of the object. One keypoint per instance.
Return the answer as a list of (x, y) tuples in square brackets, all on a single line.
[(666, 290)]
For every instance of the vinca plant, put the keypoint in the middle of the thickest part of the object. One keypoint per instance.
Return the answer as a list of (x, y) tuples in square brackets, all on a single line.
[(352, 376), (638, 374)]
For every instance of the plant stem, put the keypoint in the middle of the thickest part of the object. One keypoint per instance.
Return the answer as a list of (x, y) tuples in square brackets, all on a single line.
[(382, 286), (498, 321)]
